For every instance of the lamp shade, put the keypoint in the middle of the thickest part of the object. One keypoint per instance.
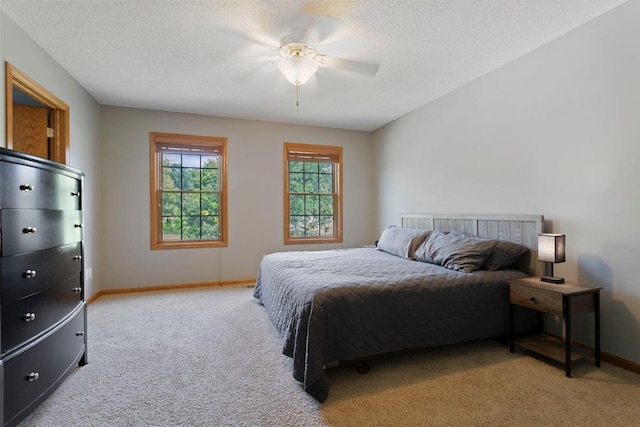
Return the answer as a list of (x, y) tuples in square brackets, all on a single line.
[(551, 248), (297, 69)]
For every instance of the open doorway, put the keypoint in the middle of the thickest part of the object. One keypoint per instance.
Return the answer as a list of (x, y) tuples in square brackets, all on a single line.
[(37, 121)]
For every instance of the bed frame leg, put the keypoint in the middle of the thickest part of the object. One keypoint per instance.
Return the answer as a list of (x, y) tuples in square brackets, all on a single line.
[(364, 368)]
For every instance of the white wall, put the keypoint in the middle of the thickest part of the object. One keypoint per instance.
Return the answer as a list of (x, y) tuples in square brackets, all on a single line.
[(555, 132), (20, 50), (255, 181)]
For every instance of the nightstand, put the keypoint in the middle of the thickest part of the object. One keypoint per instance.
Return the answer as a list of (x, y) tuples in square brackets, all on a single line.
[(565, 301)]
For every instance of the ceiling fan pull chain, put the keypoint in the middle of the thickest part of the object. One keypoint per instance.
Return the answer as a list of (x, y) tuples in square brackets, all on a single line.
[(297, 104)]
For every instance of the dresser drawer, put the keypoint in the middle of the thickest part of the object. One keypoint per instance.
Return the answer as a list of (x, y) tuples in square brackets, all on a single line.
[(28, 230), (26, 274), (32, 188), (51, 359), (537, 299), (25, 318)]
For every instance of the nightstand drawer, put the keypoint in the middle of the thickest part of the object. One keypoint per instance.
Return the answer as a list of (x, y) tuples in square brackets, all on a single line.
[(537, 299)]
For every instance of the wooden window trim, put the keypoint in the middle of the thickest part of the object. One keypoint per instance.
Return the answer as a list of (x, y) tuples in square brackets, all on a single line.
[(155, 180), (334, 153)]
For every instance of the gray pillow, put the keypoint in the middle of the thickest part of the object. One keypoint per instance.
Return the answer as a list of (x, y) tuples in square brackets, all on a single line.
[(504, 254), (455, 251), (401, 242)]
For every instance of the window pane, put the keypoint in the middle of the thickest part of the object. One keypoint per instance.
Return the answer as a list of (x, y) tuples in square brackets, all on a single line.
[(296, 205), (310, 183), (170, 178), (312, 226), (326, 226), (326, 205), (296, 182), (326, 183), (311, 167), (171, 228), (191, 227), (312, 205), (296, 226), (296, 166), (191, 161), (210, 204), (326, 167), (170, 204), (190, 204), (210, 228), (210, 180), (191, 179), (171, 160), (209, 162)]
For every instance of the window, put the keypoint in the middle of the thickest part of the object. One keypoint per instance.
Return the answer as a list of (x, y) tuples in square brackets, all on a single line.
[(312, 194), (188, 191)]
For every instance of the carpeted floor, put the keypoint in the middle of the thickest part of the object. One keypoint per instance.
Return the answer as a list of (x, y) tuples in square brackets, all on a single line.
[(211, 357)]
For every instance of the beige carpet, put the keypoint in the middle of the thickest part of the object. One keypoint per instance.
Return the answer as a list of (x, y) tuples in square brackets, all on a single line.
[(211, 357), (482, 384)]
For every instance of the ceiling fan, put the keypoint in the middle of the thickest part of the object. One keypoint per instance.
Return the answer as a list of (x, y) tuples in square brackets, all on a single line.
[(299, 60), (299, 55)]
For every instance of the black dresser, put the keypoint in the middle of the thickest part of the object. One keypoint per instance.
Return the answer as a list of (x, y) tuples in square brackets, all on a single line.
[(43, 336)]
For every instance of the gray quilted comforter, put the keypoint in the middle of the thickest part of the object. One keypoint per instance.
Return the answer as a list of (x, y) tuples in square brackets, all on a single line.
[(349, 303)]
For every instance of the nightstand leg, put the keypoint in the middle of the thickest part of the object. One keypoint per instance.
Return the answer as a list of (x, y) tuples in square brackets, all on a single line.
[(596, 304), (567, 333), (512, 334)]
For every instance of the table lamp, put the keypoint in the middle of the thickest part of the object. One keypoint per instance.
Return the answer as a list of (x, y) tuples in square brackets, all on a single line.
[(551, 250)]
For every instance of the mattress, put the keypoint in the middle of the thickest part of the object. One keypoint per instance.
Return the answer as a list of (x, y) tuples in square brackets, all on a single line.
[(337, 305)]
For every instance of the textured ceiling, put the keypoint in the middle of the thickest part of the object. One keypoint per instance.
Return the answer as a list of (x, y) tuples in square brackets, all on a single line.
[(207, 57)]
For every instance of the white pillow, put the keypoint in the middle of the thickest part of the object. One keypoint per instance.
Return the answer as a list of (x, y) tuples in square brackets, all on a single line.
[(401, 242)]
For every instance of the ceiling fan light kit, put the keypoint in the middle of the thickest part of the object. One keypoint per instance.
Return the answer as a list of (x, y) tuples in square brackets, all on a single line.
[(298, 63), (299, 59)]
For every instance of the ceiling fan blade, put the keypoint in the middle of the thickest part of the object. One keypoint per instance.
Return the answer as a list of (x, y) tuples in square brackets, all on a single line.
[(237, 48), (349, 65), (337, 81), (318, 27), (253, 73), (255, 41), (282, 85), (321, 28)]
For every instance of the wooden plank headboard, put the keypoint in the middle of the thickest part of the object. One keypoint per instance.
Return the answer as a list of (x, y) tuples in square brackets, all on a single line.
[(521, 229)]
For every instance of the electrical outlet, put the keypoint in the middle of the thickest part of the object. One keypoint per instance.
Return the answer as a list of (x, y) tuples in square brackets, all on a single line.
[(88, 273)]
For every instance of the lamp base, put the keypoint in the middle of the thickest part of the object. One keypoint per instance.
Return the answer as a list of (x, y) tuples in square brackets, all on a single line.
[(551, 279)]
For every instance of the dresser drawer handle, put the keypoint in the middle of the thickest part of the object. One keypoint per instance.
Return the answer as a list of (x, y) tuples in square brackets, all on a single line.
[(28, 317), (75, 193), (77, 225), (77, 257), (29, 230), (30, 274), (532, 299), (80, 333), (76, 290), (33, 376), (26, 187)]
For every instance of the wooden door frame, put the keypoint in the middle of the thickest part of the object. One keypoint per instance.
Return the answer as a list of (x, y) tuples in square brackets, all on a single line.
[(59, 144)]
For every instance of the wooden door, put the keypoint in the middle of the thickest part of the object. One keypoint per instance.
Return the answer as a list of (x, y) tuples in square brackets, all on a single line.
[(30, 130)]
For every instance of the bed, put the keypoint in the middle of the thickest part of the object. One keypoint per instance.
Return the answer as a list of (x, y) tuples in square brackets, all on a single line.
[(339, 305)]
